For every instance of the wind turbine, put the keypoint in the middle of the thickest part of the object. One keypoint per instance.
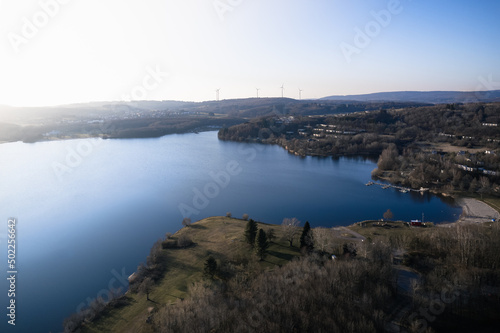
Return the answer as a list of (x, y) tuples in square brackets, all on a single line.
[(217, 94), (282, 89), (300, 93), (257, 92)]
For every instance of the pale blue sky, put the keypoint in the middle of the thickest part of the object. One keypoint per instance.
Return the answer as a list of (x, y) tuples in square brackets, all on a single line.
[(96, 50)]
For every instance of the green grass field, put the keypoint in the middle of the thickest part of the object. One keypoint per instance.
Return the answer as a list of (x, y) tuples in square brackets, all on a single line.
[(220, 237)]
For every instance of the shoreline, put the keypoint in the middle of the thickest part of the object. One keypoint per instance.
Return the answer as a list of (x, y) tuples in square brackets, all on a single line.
[(296, 153), (473, 210), (104, 137), (476, 211)]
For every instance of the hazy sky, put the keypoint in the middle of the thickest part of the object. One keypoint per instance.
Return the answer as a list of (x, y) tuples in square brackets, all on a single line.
[(65, 51)]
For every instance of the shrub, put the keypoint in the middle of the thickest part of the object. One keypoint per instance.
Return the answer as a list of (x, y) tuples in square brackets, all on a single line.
[(210, 267), (169, 244), (184, 240), (271, 235)]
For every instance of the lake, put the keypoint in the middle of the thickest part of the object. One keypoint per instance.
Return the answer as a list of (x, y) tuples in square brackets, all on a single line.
[(88, 211)]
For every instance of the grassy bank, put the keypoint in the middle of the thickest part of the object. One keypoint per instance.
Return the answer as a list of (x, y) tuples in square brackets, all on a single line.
[(220, 237), (320, 292), (223, 239)]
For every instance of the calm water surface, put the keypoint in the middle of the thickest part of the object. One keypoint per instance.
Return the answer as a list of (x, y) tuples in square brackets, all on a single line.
[(89, 210)]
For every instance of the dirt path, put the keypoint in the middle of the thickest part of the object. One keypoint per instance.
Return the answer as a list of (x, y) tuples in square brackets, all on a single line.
[(355, 235), (402, 308)]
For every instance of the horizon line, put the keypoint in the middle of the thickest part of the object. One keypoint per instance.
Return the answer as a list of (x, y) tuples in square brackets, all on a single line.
[(241, 98)]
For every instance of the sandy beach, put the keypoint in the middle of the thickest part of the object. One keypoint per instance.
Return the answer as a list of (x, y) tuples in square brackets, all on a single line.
[(475, 211)]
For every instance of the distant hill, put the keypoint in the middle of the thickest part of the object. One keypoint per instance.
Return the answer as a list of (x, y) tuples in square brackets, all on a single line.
[(139, 119), (241, 108), (433, 97)]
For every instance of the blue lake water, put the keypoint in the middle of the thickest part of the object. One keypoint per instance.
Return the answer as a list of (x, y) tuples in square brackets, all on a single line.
[(89, 210)]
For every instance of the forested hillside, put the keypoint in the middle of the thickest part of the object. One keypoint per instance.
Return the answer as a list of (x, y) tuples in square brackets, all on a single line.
[(446, 147)]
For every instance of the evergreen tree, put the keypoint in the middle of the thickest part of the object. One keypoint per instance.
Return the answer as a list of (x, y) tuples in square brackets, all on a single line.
[(251, 232), (262, 244), (210, 267), (306, 239)]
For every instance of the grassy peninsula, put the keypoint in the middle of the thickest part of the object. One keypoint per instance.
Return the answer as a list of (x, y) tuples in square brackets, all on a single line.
[(220, 237), (372, 277)]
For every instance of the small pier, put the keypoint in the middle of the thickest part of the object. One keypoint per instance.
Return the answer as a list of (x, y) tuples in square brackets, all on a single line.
[(401, 189)]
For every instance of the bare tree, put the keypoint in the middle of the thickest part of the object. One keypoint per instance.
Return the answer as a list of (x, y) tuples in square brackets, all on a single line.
[(289, 227), (380, 252), (154, 253), (96, 307), (245, 217), (146, 287), (389, 158), (322, 238), (228, 214), (271, 235), (186, 222), (485, 186), (388, 215), (184, 240), (466, 244)]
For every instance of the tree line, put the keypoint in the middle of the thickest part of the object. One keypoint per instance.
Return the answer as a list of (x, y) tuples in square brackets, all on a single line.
[(458, 268), (477, 173), (409, 140)]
